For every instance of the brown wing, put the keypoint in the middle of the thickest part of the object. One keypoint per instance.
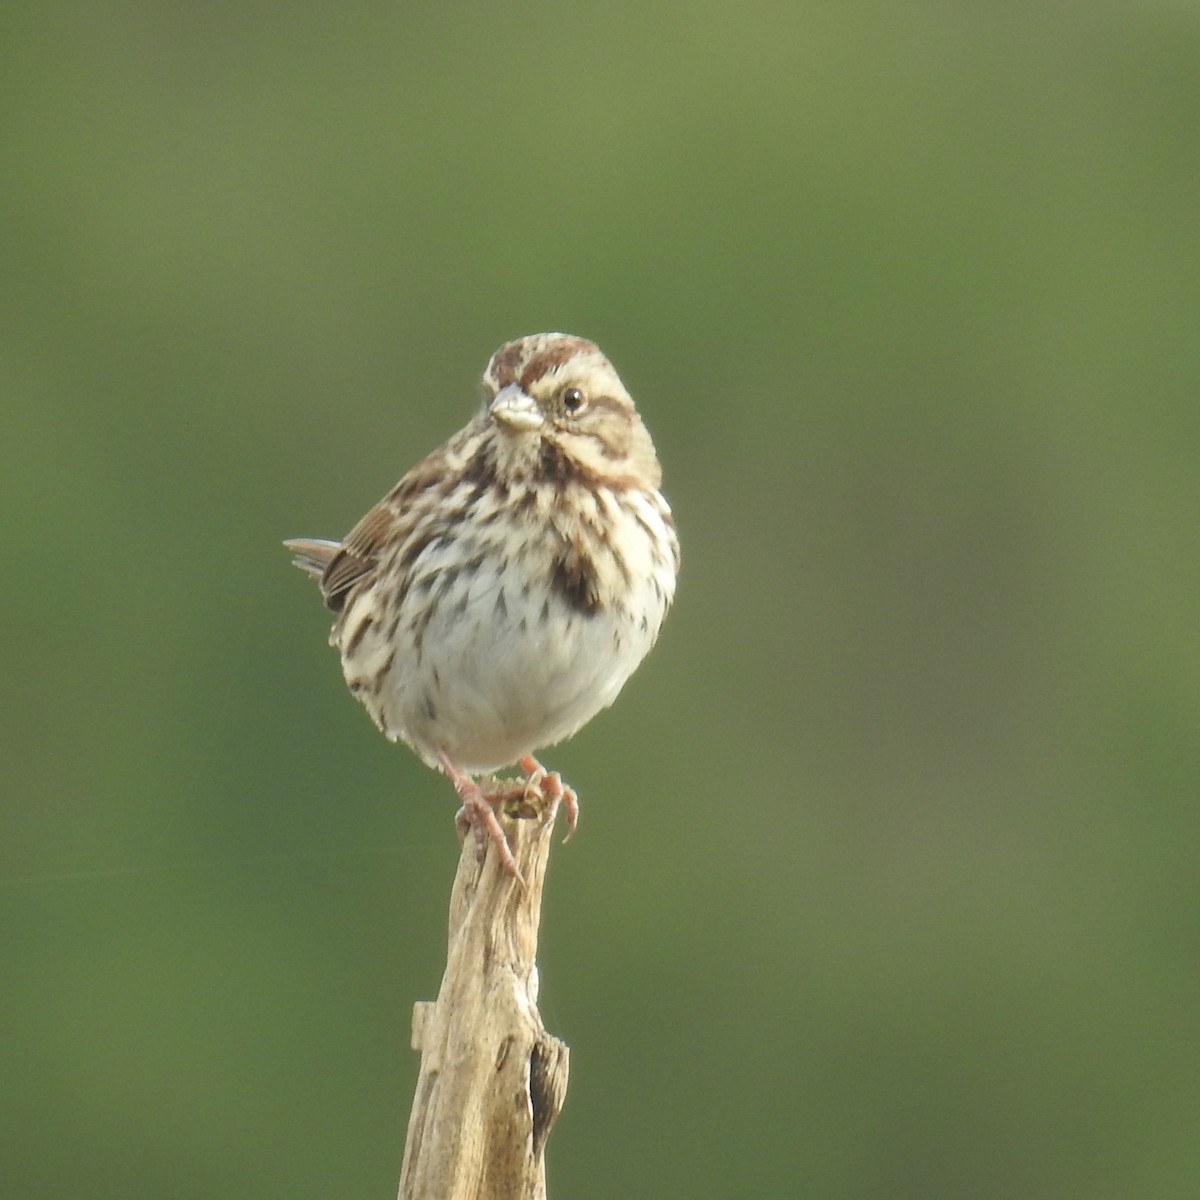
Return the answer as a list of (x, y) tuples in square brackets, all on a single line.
[(358, 555), (338, 566), (386, 525), (321, 559)]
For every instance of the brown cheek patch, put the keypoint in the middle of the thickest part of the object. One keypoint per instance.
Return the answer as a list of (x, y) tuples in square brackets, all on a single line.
[(560, 470), (574, 579), (613, 431)]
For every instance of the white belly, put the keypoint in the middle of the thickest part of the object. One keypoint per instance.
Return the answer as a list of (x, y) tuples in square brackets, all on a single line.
[(498, 669)]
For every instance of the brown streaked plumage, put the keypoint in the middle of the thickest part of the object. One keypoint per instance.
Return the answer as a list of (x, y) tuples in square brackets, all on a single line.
[(504, 590)]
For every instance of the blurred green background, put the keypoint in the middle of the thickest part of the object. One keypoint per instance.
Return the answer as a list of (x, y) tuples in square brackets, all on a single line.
[(886, 883)]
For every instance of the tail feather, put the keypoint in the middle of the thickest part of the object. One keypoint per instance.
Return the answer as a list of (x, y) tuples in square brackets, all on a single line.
[(313, 555)]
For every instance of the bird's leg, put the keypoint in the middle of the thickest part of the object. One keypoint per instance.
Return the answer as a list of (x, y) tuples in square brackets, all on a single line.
[(479, 813), (552, 787)]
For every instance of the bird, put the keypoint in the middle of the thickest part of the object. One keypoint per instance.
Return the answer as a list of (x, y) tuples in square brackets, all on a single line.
[(504, 590)]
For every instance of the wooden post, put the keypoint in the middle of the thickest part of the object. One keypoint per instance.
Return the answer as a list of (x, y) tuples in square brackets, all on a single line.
[(492, 1079)]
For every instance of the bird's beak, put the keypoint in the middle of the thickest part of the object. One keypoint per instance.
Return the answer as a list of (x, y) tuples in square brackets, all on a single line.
[(516, 410)]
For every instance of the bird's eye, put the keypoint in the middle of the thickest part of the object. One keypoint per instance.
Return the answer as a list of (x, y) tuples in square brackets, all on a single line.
[(574, 401)]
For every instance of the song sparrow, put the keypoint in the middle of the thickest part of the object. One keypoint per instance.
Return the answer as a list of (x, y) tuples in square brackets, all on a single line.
[(500, 595)]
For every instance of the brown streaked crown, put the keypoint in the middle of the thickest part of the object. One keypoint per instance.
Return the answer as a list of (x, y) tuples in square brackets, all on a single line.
[(526, 360)]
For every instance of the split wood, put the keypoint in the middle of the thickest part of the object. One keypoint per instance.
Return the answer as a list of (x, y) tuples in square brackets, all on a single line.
[(492, 1080)]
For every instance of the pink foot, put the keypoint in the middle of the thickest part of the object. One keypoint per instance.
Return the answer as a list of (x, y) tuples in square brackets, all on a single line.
[(553, 788), (478, 813)]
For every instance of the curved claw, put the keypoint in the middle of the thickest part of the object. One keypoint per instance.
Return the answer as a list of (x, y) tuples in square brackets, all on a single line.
[(478, 813), (552, 786)]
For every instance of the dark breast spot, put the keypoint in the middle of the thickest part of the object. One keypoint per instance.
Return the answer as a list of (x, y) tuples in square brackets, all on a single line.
[(573, 579)]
